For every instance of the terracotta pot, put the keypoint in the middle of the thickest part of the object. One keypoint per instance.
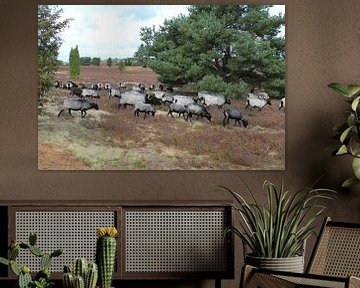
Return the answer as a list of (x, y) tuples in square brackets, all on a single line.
[(291, 264)]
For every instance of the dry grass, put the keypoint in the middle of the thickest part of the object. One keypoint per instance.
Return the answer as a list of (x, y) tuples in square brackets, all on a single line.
[(111, 139)]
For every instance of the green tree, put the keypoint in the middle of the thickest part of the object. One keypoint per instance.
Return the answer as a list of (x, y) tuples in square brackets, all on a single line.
[(85, 61), (109, 62), (236, 45), (121, 65), (95, 61), (74, 62), (49, 41)]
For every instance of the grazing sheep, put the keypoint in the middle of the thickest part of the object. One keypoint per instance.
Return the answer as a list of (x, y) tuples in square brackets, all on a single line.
[(140, 88), (167, 99), (177, 108), (131, 98), (78, 104), (282, 103), (182, 99), (233, 113), (76, 91), (144, 108), (122, 86), (208, 99), (69, 85), (257, 103), (114, 93), (90, 93), (58, 84), (107, 86), (198, 110), (152, 99)]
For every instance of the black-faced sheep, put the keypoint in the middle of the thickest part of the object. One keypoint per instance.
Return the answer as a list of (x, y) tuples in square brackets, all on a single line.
[(69, 85), (282, 103), (122, 86), (198, 110), (209, 99), (90, 93), (114, 93), (183, 99), (257, 102), (76, 91), (131, 98), (144, 108), (107, 86), (233, 113), (177, 108), (77, 104)]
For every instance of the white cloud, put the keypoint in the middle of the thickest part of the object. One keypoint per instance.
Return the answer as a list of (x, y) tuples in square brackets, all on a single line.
[(113, 30)]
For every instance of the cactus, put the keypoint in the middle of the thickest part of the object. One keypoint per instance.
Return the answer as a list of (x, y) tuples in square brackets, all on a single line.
[(45, 261), (24, 278), (106, 254), (87, 272), (68, 280), (80, 267), (79, 282), (91, 276), (23, 273)]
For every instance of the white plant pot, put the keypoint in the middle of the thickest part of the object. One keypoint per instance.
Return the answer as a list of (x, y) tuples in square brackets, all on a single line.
[(291, 264)]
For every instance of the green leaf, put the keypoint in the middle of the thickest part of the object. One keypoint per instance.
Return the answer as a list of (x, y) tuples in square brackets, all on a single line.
[(349, 182), (342, 150), (356, 167), (353, 89), (345, 134), (4, 261), (355, 103), (341, 89)]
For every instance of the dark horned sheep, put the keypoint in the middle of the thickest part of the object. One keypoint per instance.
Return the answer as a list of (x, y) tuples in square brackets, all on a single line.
[(233, 113), (144, 108), (78, 104), (198, 110), (177, 108)]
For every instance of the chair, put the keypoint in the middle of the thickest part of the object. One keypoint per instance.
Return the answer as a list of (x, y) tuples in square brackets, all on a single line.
[(335, 262)]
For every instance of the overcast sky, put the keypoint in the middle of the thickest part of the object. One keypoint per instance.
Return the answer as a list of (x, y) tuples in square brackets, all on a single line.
[(113, 30)]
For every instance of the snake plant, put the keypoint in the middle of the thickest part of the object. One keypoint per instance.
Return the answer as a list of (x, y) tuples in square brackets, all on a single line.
[(279, 228)]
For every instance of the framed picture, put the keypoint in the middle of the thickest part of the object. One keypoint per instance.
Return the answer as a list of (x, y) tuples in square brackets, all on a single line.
[(161, 87)]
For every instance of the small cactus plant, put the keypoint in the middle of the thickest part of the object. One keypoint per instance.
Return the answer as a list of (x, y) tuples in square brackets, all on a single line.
[(42, 278), (85, 275), (106, 254)]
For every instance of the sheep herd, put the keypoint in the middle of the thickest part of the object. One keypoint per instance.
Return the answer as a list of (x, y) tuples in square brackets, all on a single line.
[(148, 101)]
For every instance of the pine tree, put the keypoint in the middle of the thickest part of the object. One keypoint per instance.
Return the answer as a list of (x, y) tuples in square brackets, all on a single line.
[(227, 48)]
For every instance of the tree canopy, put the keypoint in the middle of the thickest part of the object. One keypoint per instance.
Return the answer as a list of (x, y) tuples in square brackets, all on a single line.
[(227, 48), (49, 41)]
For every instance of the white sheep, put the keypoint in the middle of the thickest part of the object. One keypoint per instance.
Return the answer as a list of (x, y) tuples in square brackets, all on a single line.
[(256, 102), (282, 103), (183, 99), (131, 98), (209, 99), (89, 93)]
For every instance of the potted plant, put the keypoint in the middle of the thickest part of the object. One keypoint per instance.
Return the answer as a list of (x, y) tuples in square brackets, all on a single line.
[(348, 132), (42, 278), (275, 233)]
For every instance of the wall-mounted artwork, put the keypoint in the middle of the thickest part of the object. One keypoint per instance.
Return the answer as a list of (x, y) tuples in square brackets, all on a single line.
[(161, 87)]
